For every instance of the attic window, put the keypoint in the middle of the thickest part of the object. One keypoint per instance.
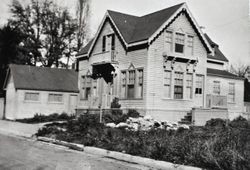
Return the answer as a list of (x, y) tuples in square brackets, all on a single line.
[(179, 42)]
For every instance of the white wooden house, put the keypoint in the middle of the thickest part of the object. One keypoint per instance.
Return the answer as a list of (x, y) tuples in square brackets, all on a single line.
[(161, 64)]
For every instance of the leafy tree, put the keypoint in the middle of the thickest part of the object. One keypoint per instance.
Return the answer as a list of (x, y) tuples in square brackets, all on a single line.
[(82, 15), (49, 28)]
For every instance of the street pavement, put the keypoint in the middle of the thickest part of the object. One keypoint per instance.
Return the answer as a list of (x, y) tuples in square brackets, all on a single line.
[(18, 153)]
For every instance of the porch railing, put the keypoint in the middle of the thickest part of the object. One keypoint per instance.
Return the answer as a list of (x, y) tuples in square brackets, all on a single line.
[(216, 101), (104, 57)]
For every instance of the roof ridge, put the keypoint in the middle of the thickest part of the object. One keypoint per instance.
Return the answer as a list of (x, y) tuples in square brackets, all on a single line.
[(122, 13), (159, 11)]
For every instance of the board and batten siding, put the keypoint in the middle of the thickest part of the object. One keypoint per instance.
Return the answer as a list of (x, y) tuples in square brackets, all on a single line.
[(155, 70)]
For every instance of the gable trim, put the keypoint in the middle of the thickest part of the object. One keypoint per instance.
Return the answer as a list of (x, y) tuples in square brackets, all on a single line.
[(183, 8), (106, 18)]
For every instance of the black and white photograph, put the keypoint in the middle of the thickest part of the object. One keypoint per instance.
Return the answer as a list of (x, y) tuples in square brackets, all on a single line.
[(124, 85)]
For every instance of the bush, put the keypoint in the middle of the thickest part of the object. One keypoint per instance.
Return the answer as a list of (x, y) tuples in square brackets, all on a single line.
[(133, 113), (226, 147), (40, 118)]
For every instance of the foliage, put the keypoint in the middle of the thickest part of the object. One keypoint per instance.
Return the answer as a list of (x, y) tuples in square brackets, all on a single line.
[(49, 30), (215, 146), (39, 118), (115, 106)]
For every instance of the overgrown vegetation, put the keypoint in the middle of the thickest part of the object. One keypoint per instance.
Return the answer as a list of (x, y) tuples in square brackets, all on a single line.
[(40, 118), (218, 145)]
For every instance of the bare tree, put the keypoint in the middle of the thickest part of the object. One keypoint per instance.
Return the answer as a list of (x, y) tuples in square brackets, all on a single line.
[(239, 69), (82, 15)]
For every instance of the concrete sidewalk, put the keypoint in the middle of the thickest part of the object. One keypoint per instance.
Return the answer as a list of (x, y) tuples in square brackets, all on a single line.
[(20, 129)]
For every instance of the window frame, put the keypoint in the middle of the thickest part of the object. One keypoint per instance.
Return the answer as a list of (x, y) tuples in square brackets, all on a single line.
[(178, 43), (176, 86), (165, 84), (190, 44), (189, 87), (55, 94), (231, 93), (28, 100), (216, 87)]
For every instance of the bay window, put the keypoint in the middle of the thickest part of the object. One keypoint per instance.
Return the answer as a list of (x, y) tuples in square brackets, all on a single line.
[(140, 83)]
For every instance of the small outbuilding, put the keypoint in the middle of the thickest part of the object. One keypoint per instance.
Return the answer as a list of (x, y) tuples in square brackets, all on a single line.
[(34, 90)]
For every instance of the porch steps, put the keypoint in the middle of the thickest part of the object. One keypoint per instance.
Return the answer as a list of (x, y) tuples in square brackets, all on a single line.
[(187, 119)]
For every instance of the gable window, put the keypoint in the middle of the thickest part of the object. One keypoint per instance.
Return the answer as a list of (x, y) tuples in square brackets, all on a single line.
[(189, 86), (169, 40), (190, 45), (199, 84), (231, 93), (104, 43), (55, 98), (131, 84), (178, 85), (216, 88), (179, 42), (31, 96), (139, 89), (167, 83)]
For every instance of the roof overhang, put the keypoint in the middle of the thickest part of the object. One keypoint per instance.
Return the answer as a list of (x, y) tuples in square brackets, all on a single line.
[(183, 8)]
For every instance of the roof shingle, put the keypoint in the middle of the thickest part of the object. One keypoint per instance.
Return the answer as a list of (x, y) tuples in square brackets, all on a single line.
[(45, 79), (222, 73)]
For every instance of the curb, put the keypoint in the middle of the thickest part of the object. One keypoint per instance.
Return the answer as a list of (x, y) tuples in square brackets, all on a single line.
[(120, 156)]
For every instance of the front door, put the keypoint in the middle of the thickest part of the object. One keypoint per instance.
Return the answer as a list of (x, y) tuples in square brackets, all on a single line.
[(199, 91)]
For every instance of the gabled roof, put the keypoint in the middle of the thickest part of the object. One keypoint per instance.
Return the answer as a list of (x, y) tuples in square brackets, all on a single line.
[(222, 73), (218, 55), (42, 78), (85, 49), (134, 29)]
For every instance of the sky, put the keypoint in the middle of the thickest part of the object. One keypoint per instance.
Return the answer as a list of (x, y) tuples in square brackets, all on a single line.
[(226, 21)]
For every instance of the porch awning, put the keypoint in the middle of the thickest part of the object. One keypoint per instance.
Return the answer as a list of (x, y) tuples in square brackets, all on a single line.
[(103, 71)]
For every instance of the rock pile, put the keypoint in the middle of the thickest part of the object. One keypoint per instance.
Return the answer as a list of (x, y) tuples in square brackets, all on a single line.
[(146, 123)]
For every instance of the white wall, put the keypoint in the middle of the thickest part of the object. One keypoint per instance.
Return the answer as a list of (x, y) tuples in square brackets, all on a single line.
[(155, 77), (17, 107), (1, 107), (11, 102), (236, 107)]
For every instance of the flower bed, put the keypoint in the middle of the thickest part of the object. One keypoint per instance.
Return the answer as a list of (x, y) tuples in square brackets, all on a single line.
[(218, 145)]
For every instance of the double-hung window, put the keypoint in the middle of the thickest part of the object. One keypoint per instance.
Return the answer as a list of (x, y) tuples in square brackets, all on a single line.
[(216, 88), (189, 86), (199, 84), (123, 84), (179, 42), (169, 40), (231, 93), (139, 88), (190, 45), (167, 84), (178, 85), (131, 84)]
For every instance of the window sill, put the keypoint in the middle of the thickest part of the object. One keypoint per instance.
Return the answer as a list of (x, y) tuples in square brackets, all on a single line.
[(83, 99), (31, 101), (231, 102), (177, 99), (132, 99), (55, 103)]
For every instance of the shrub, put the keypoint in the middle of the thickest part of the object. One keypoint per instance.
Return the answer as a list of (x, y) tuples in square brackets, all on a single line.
[(216, 123), (133, 113)]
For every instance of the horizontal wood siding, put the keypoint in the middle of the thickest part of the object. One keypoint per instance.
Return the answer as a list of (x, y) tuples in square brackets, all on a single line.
[(155, 68)]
